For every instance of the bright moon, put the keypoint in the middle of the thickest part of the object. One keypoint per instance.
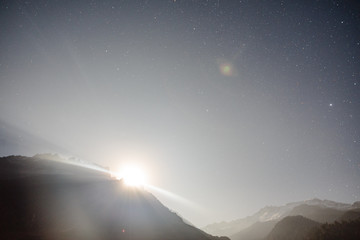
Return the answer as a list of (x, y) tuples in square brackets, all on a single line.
[(134, 176)]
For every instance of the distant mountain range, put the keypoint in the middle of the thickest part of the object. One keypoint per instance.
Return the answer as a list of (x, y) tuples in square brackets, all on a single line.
[(47, 197), (301, 228), (266, 223)]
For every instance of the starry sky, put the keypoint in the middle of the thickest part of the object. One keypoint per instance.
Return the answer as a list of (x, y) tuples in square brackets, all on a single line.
[(230, 105)]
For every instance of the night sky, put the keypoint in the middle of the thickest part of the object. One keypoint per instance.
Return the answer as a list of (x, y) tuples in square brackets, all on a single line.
[(232, 105)]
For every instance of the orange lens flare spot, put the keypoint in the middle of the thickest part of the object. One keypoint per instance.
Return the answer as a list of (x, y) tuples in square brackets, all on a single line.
[(226, 68)]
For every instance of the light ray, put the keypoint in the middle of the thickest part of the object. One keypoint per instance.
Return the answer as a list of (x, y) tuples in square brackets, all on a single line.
[(173, 196)]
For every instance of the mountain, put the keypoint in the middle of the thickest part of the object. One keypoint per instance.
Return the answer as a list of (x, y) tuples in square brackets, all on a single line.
[(257, 231), (347, 227), (71, 160), (295, 226), (292, 228), (277, 213), (236, 226), (346, 230), (301, 228), (350, 215), (319, 214), (356, 204), (47, 199)]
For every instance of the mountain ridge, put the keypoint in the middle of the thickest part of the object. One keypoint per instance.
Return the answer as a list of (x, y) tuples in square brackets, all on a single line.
[(292, 228), (54, 200), (270, 213)]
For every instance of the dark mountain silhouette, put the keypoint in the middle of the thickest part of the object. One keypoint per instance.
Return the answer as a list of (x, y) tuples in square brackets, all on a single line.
[(292, 228), (257, 231), (350, 215), (347, 230), (356, 204), (45, 199), (300, 228)]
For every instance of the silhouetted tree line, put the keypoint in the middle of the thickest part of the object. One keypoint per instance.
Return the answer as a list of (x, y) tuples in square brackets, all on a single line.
[(346, 230)]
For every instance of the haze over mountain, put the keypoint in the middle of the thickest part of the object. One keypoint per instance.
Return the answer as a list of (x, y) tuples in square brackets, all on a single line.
[(56, 198), (315, 209), (318, 219), (257, 231), (350, 215), (302, 228), (292, 228)]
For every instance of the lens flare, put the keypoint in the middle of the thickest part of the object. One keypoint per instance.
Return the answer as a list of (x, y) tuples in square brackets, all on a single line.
[(226, 68)]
